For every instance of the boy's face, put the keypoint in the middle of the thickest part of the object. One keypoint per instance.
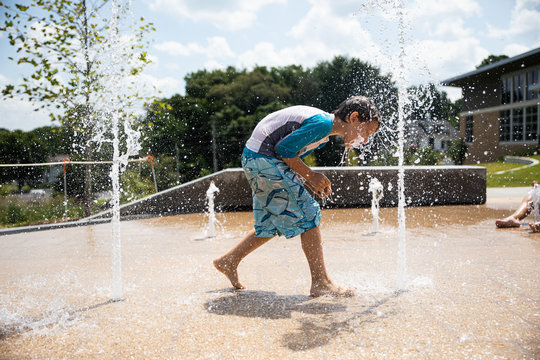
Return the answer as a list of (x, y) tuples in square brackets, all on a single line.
[(358, 133)]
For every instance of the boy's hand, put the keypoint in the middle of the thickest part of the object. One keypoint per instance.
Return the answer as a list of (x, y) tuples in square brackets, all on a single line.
[(319, 184)]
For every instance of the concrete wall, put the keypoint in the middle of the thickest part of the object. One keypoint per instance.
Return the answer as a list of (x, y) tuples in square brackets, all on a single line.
[(424, 185)]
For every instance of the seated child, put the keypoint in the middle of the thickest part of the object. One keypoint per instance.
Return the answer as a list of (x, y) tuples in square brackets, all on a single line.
[(272, 162)]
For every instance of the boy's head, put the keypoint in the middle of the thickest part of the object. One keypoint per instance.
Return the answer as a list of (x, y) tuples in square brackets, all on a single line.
[(361, 117), (366, 109)]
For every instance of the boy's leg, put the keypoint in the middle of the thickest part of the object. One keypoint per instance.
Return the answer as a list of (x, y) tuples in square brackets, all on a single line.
[(521, 212), (228, 263), (320, 281)]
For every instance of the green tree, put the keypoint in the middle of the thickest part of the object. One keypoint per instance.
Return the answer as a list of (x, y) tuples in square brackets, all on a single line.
[(342, 78), (58, 140), (491, 59), (19, 147), (426, 101), (60, 43)]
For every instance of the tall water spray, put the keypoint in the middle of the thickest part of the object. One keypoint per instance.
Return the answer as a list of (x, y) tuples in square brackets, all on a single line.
[(113, 106), (116, 288), (402, 96), (393, 11)]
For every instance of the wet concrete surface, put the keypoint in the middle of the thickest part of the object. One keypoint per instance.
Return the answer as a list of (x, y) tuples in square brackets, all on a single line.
[(473, 291)]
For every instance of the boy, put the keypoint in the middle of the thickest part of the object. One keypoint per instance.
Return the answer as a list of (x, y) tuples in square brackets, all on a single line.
[(272, 162)]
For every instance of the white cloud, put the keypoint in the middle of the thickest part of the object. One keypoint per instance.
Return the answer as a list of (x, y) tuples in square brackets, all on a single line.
[(265, 53), (173, 66), (435, 60), (176, 49), (436, 9), (515, 49), (150, 85), (223, 14), (20, 114), (213, 65), (452, 29), (320, 35), (322, 24), (524, 22), (3, 80), (217, 47)]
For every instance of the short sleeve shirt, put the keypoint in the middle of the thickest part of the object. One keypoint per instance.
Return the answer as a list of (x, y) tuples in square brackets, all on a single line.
[(290, 132)]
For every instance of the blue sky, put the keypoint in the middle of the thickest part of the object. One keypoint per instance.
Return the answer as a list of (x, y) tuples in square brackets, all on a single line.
[(442, 39)]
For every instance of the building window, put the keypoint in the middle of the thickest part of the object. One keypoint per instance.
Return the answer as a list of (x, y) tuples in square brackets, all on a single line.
[(469, 128), (506, 91), (504, 125), (532, 79), (517, 124), (515, 88), (518, 87), (531, 123)]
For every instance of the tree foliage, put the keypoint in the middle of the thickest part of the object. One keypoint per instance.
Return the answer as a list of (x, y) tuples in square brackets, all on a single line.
[(60, 44), (63, 46), (491, 59), (18, 147)]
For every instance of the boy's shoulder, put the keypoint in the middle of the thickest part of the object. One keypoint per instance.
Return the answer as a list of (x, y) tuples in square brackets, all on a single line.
[(322, 119), (303, 111)]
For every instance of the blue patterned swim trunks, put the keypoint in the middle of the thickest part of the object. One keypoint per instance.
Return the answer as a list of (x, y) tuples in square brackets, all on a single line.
[(281, 204)]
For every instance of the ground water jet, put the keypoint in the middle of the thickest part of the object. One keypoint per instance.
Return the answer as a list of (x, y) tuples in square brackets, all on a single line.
[(376, 190), (210, 195)]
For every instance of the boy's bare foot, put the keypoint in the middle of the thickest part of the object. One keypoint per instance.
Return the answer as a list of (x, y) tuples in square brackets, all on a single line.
[(535, 227), (330, 289), (507, 222), (229, 270)]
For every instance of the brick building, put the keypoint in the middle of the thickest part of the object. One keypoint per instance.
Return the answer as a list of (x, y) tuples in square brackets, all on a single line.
[(500, 113)]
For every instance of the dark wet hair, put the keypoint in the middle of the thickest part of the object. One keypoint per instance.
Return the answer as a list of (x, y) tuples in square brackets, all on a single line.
[(365, 107)]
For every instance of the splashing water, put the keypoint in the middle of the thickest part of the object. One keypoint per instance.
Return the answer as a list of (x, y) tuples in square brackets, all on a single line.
[(376, 190), (114, 107), (402, 96), (356, 143), (210, 194)]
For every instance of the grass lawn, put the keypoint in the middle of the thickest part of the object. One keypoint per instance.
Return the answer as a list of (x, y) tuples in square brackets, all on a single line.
[(513, 178)]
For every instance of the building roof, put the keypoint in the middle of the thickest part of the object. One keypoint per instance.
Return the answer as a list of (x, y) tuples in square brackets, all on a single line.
[(506, 65)]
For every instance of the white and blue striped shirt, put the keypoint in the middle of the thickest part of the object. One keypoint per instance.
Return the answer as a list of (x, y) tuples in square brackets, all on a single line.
[(290, 132)]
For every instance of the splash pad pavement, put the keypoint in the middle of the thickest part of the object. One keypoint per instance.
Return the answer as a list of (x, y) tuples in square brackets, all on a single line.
[(472, 291)]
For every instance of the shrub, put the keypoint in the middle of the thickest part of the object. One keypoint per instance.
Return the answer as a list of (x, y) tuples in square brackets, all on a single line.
[(527, 152), (135, 186), (426, 156), (17, 212), (457, 151)]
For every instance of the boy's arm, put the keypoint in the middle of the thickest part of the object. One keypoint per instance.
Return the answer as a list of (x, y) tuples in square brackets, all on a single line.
[(317, 181)]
